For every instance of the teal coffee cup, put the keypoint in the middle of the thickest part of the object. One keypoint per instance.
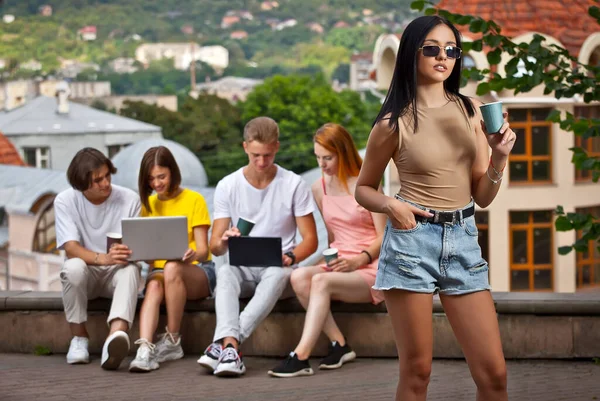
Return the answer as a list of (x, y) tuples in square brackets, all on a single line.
[(492, 117), (330, 254), (245, 226)]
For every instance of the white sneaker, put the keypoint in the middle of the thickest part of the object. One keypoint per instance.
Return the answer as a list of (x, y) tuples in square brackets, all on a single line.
[(145, 359), (78, 351), (230, 363), (210, 359), (167, 349), (115, 349)]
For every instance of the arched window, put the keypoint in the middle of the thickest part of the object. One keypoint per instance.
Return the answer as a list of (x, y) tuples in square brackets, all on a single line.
[(468, 62), (595, 58), (44, 240)]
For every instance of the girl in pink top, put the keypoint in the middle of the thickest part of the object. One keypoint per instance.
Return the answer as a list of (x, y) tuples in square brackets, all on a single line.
[(356, 233)]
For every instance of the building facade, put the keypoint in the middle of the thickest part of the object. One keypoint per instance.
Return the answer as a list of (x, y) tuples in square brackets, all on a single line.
[(517, 231)]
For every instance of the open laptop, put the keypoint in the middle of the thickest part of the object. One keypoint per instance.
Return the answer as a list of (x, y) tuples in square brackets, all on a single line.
[(255, 251), (155, 238)]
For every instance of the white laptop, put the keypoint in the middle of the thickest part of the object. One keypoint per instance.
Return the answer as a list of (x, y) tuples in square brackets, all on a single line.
[(155, 238)]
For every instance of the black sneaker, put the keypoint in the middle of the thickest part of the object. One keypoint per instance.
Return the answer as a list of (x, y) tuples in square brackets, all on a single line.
[(292, 367), (338, 355)]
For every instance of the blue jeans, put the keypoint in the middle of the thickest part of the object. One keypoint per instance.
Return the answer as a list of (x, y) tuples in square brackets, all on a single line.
[(430, 258)]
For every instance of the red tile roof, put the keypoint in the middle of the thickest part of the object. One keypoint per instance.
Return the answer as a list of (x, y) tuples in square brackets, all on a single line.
[(567, 21), (8, 153)]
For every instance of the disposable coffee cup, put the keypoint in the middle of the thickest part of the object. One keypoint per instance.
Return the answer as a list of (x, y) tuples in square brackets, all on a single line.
[(245, 226), (330, 254), (492, 117), (111, 239)]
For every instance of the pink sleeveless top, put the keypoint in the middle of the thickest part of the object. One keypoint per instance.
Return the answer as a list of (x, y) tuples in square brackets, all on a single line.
[(354, 231), (352, 224)]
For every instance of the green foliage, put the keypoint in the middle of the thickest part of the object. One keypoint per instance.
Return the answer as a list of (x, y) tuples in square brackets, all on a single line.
[(356, 38), (301, 104), (41, 350), (559, 73), (209, 126)]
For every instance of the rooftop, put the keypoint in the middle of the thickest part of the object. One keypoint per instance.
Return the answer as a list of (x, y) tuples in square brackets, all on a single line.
[(40, 117), (567, 21), (8, 153)]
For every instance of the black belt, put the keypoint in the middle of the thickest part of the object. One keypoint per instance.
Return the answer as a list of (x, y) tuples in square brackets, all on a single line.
[(453, 217)]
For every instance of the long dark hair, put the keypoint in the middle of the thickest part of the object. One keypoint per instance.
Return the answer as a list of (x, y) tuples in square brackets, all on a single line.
[(402, 94), (157, 156)]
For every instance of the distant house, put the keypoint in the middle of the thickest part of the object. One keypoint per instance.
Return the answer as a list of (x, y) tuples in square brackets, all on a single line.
[(367, 12), (183, 54), (187, 29), (315, 27), (123, 65), (117, 102), (229, 20), (234, 89), (49, 131), (32, 65), (45, 10), (87, 33), (268, 5), (288, 23), (238, 35), (341, 24), (77, 89), (72, 68), (361, 65), (15, 93)]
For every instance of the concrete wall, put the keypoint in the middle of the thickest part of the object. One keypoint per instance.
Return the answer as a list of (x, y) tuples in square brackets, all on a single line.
[(169, 102)]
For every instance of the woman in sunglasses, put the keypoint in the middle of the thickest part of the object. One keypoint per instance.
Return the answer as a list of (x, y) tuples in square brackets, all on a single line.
[(439, 145)]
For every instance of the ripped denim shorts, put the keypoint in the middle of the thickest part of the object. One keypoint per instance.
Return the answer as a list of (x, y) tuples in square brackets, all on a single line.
[(431, 257)]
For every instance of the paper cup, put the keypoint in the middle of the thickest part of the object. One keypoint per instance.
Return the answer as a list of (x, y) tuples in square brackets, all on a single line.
[(245, 226), (492, 117), (330, 254), (113, 238)]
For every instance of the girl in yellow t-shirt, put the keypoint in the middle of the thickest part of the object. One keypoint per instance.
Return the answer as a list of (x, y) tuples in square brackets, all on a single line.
[(192, 277)]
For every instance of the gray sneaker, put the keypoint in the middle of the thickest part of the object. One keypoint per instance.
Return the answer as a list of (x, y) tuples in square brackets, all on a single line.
[(167, 349), (145, 359)]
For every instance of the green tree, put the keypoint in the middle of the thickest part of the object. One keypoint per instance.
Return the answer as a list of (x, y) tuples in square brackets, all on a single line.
[(559, 73), (301, 104)]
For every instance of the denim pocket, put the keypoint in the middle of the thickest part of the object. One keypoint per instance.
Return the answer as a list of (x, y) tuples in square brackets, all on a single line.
[(470, 227), (410, 230)]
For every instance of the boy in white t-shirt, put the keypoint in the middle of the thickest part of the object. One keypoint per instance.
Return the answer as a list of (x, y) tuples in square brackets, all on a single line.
[(84, 214), (280, 202)]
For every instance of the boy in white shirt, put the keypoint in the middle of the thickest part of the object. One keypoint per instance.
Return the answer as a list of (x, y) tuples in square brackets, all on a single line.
[(280, 202), (84, 214)]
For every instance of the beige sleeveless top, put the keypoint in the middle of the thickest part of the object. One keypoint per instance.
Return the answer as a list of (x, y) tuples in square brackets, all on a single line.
[(434, 164)]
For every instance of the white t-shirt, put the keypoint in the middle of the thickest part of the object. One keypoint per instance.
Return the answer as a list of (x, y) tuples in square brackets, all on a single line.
[(77, 219), (274, 208)]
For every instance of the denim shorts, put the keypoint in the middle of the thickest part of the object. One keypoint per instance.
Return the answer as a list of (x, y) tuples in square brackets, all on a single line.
[(208, 267), (431, 257)]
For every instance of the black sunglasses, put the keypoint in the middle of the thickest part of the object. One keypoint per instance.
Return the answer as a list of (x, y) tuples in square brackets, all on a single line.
[(434, 50)]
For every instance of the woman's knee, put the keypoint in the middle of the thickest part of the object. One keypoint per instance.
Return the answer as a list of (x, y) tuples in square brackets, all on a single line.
[(300, 280), (320, 283), (154, 290), (173, 271), (416, 371), (491, 377)]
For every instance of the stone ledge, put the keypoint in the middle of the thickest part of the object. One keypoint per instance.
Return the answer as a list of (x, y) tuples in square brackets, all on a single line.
[(537, 325), (557, 304)]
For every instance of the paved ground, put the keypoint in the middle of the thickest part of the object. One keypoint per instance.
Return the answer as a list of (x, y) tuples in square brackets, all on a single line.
[(49, 378)]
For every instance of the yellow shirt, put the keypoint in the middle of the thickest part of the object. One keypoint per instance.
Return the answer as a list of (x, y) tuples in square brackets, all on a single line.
[(188, 203)]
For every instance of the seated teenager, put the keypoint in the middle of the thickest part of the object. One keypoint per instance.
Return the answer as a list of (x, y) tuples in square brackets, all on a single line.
[(356, 233), (174, 282), (280, 202), (84, 214)]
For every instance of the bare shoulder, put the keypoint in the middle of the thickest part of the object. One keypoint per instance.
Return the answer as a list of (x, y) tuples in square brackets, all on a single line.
[(317, 188), (383, 131)]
